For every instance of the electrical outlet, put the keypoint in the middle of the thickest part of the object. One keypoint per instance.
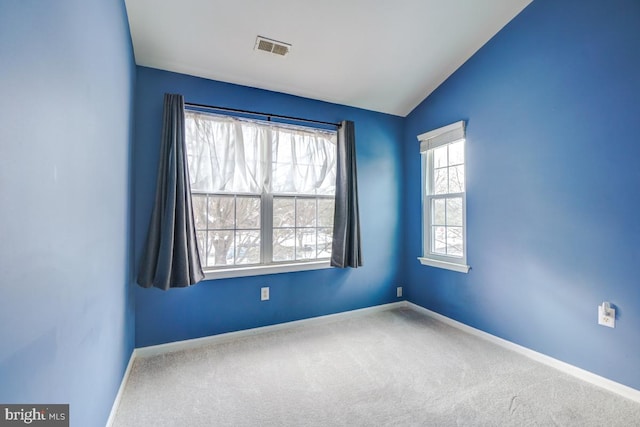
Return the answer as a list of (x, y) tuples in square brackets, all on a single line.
[(606, 315), (264, 294), (399, 291)]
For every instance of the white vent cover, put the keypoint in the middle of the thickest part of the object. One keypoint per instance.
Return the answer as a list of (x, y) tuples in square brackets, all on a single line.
[(272, 46)]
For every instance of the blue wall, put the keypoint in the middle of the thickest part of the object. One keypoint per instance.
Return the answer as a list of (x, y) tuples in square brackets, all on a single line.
[(66, 313), (218, 306), (551, 105), (553, 177)]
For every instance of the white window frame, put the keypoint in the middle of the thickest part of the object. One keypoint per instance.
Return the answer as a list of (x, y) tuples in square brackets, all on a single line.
[(266, 230), (429, 141)]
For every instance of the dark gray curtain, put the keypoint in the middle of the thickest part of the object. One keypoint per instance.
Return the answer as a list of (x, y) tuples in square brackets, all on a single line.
[(346, 250), (170, 258)]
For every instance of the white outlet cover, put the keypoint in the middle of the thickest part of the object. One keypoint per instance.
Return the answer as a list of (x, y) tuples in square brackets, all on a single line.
[(607, 319), (264, 294)]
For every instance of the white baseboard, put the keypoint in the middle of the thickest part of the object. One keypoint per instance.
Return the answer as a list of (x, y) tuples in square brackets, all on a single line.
[(125, 378), (605, 383), (172, 347)]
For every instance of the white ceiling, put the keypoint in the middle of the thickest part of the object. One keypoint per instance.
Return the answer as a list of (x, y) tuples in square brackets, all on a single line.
[(381, 55)]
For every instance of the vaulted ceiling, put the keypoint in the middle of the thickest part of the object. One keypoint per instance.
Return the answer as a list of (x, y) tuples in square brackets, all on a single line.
[(379, 55)]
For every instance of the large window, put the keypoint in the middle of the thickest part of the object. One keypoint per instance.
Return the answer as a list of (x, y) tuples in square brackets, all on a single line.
[(444, 198), (263, 193)]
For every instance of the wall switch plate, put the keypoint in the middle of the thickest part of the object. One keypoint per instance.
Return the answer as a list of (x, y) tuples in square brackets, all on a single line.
[(399, 291), (264, 294), (606, 315)]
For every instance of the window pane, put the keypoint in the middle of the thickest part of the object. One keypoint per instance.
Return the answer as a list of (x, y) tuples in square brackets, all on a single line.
[(454, 241), (456, 179), (284, 243), (223, 153), (306, 243), (438, 212), (305, 212), (303, 162), (456, 153), (248, 247), (201, 236), (282, 170), (325, 237), (199, 204), (220, 248), (221, 212), (283, 212), (440, 181), (454, 211), (439, 240), (325, 212), (248, 212), (440, 157)]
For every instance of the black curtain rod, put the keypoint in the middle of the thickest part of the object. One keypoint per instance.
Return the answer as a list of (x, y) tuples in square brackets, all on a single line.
[(256, 113)]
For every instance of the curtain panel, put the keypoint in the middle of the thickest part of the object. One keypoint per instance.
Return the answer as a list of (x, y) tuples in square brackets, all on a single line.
[(170, 258), (347, 245), (226, 154)]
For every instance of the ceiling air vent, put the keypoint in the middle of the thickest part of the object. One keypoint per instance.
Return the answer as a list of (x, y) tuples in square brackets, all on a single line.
[(272, 46)]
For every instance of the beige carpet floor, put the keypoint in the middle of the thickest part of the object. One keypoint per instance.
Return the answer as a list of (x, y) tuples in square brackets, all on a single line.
[(390, 368)]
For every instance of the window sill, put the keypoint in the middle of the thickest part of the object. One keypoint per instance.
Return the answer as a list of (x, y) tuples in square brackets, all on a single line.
[(461, 268), (259, 270)]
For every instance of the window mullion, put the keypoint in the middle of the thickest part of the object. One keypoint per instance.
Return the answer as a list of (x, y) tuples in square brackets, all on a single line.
[(446, 195), (266, 228), (266, 223), (206, 233), (295, 227)]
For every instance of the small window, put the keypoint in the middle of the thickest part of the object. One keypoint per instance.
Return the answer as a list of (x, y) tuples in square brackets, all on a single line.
[(263, 194), (444, 242)]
